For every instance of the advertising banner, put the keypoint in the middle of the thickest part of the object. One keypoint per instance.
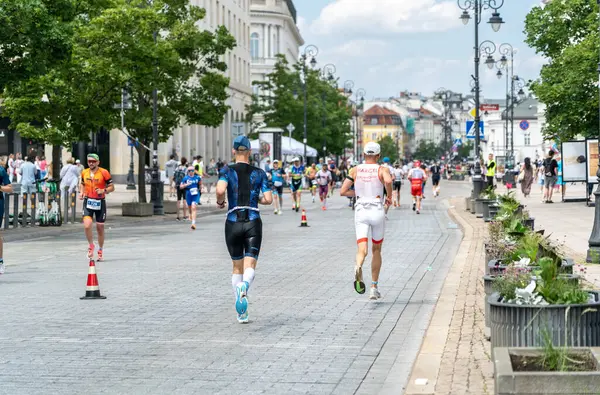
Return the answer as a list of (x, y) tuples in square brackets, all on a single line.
[(592, 161), (574, 161)]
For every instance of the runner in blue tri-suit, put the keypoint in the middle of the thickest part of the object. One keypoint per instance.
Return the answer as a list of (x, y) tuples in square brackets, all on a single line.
[(276, 174), (243, 185), (192, 183)]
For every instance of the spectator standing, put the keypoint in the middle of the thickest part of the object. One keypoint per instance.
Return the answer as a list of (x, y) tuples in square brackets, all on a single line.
[(170, 172), (69, 176), (550, 173), (491, 170), (27, 171), (43, 167), (10, 167), (17, 164)]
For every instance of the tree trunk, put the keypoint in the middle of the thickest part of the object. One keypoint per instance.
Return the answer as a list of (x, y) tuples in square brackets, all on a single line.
[(141, 174), (56, 165)]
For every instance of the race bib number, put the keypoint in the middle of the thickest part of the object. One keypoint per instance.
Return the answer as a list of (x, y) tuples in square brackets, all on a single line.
[(278, 183), (314, 182), (93, 204), (193, 191)]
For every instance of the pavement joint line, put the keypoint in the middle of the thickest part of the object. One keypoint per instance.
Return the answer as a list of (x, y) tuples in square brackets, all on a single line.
[(433, 361)]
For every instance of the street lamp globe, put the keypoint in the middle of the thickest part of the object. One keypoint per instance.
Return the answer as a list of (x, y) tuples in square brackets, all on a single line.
[(496, 21), (499, 74), (465, 18), (521, 94), (295, 94), (313, 62), (490, 62), (504, 60)]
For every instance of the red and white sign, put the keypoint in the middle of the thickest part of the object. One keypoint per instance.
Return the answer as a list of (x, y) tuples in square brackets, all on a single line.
[(489, 107)]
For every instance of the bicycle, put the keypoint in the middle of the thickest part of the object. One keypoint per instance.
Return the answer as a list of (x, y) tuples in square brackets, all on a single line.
[(49, 214)]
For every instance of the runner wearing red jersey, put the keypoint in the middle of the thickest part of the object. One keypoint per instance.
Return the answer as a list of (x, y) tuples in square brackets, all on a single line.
[(417, 177)]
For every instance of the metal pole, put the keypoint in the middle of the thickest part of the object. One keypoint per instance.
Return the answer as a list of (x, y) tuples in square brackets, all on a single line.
[(512, 120), (477, 177), (593, 254), (130, 176), (156, 189), (305, 140)]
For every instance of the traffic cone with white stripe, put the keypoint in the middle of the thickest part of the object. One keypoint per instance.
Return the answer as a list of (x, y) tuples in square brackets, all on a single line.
[(92, 290), (303, 221)]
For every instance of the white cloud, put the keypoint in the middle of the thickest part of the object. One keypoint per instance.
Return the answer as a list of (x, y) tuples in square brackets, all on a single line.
[(374, 17)]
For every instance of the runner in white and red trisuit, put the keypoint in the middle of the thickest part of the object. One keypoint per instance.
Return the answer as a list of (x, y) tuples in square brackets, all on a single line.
[(369, 180)]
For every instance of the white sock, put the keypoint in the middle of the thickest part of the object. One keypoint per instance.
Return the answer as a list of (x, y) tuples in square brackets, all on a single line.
[(193, 222), (235, 280), (249, 276)]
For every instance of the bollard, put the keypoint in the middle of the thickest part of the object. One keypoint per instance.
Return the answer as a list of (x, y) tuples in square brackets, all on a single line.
[(15, 210), (66, 200), (33, 204), (73, 201), (24, 211), (6, 210)]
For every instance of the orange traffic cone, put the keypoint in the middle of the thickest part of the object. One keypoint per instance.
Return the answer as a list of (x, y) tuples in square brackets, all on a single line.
[(303, 221), (92, 291)]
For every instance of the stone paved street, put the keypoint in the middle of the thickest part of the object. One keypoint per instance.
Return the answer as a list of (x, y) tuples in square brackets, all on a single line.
[(168, 325)]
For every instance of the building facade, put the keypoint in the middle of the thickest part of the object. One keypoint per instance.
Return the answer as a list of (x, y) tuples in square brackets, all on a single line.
[(380, 122), (273, 31), (191, 140)]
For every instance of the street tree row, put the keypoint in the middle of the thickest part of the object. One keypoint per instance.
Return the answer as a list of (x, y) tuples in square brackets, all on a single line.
[(565, 33), (281, 101), (79, 54)]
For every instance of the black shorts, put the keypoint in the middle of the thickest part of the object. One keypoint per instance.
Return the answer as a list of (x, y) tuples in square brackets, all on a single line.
[(397, 185), (180, 194), (435, 180), (296, 185), (243, 238), (278, 190), (100, 215)]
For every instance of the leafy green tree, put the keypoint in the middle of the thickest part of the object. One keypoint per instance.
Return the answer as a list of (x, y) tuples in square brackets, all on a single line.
[(465, 150), (428, 150), (566, 33), (388, 148), (120, 48), (281, 102)]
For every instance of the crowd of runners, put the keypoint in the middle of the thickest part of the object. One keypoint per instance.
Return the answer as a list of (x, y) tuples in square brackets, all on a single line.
[(372, 187)]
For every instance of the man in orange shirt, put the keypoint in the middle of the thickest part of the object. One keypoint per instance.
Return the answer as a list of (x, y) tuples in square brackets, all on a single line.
[(96, 183)]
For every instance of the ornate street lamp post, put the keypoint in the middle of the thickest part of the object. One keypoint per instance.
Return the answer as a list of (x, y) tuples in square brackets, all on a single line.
[(328, 72), (310, 51), (348, 85), (477, 6), (360, 102)]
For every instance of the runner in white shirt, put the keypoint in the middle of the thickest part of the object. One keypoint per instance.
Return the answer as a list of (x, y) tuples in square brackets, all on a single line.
[(323, 179), (398, 175), (369, 180)]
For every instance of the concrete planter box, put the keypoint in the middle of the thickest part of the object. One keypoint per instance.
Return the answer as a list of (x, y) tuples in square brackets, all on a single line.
[(486, 207), (135, 209), (479, 206), (467, 204), (496, 266), (509, 381), (170, 206), (488, 282), (530, 223), (520, 326), (494, 208), (472, 206)]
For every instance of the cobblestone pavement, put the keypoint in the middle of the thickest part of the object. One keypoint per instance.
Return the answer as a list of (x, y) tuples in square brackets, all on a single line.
[(455, 357), (168, 325)]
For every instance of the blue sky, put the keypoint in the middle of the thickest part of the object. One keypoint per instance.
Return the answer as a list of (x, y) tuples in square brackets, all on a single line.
[(388, 46)]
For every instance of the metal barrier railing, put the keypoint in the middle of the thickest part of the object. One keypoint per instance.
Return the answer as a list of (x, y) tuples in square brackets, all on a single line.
[(39, 208)]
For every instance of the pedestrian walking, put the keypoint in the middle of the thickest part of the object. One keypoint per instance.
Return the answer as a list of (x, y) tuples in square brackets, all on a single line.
[(96, 183), (169, 173), (27, 172), (246, 187), (10, 167), (369, 181), (550, 174), (17, 164), (43, 167), (178, 176), (5, 187), (526, 176)]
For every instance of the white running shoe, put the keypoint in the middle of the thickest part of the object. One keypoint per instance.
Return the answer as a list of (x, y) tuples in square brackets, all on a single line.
[(275, 211), (243, 318), (374, 294), (2, 268)]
